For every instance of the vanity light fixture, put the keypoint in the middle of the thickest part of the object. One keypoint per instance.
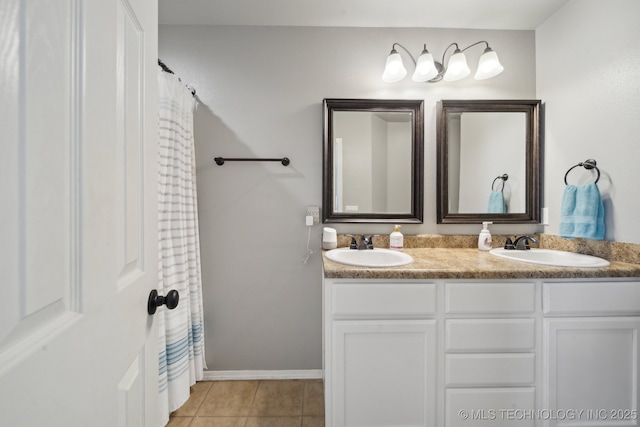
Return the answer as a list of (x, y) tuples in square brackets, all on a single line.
[(428, 70)]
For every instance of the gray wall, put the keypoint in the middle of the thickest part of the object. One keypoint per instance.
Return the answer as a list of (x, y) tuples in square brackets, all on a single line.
[(588, 73), (260, 91)]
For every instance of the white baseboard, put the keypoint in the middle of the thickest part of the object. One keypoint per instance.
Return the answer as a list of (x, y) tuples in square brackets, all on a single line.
[(306, 374)]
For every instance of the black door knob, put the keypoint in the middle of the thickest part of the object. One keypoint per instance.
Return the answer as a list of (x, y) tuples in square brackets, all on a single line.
[(155, 300)]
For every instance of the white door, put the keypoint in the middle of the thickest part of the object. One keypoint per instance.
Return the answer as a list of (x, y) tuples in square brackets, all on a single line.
[(78, 258)]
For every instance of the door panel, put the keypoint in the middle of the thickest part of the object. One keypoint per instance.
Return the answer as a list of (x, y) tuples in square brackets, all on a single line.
[(592, 364), (48, 150), (131, 395), (78, 83), (41, 253), (130, 145), (385, 373)]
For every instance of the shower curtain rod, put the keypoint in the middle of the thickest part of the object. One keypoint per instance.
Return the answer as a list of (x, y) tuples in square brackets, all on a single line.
[(168, 70)]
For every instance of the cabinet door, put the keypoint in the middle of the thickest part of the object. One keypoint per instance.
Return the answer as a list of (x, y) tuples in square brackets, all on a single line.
[(591, 365), (385, 373)]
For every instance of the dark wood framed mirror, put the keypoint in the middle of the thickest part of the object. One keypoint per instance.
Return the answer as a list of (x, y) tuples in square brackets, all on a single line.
[(373, 161), (489, 161)]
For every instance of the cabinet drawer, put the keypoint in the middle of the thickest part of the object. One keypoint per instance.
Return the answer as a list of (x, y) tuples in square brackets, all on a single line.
[(489, 334), (591, 298), (497, 369), (384, 299), (499, 298), (493, 407)]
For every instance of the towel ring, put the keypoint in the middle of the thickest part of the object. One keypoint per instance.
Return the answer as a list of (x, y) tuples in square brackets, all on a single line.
[(587, 164), (503, 178)]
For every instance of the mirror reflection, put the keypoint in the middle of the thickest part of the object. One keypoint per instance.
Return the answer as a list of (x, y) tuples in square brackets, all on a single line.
[(372, 161), (488, 161), (370, 154)]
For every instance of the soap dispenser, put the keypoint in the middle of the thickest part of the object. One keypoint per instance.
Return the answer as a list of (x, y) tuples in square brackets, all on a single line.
[(396, 239), (484, 239)]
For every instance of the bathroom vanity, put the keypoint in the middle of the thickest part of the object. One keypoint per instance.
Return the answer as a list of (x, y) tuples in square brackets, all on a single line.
[(462, 338)]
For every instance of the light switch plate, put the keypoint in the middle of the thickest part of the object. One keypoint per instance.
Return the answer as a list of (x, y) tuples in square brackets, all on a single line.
[(545, 216)]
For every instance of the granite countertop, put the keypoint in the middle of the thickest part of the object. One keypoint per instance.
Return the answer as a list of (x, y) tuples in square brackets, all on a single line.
[(463, 263)]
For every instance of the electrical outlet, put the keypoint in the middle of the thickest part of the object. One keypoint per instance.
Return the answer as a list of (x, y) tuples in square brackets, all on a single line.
[(314, 211)]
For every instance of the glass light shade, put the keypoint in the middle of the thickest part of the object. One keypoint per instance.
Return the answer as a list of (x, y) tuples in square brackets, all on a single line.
[(457, 68), (425, 68), (394, 70), (489, 65)]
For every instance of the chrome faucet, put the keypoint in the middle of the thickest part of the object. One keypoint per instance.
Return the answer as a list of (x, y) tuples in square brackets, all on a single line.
[(522, 243), (364, 243)]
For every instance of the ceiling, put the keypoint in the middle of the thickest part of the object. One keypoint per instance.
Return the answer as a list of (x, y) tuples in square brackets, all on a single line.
[(474, 14)]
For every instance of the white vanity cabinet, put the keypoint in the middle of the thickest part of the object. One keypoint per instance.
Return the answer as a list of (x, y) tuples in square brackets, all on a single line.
[(592, 348), (380, 353), (454, 353)]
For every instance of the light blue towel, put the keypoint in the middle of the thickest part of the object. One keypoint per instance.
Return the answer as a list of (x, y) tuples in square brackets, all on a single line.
[(582, 212), (496, 202)]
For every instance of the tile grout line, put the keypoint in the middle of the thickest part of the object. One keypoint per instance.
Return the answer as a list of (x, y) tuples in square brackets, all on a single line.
[(304, 395), (204, 399), (253, 399)]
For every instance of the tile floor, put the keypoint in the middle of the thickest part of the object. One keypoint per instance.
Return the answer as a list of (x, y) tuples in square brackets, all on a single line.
[(263, 403)]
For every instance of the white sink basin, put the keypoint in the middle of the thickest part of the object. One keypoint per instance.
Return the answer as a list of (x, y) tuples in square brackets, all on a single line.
[(551, 257), (377, 257)]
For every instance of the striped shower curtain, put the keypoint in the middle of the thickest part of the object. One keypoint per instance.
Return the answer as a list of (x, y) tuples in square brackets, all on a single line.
[(180, 339)]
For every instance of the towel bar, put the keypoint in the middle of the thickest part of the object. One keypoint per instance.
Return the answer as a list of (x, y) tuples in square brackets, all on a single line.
[(220, 160)]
